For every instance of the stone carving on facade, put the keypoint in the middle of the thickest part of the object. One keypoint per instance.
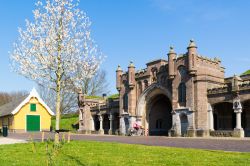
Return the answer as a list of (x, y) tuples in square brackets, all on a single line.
[(154, 74), (238, 110)]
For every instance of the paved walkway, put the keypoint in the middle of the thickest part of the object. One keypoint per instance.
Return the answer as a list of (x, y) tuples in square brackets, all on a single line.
[(4, 140), (225, 144)]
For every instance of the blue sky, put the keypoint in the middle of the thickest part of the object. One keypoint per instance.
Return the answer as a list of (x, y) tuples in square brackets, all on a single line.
[(143, 30)]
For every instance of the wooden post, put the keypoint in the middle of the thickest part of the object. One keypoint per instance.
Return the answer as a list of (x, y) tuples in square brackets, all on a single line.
[(68, 137), (42, 136), (63, 137)]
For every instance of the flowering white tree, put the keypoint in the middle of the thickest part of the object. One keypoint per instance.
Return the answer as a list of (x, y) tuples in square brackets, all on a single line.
[(56, 49)]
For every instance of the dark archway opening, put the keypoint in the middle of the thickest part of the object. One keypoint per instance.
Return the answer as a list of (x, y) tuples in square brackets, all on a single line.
[(97, 122), (106, 123), (245, 118), (224, 116), (159, 117), (116, 123), (215, 121)]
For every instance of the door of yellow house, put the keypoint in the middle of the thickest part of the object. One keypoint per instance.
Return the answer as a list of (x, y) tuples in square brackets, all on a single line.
[(33, 123)]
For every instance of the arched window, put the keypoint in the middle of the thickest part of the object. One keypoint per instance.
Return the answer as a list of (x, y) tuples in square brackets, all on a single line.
[(182, 93), (125, 102), (182, 72)]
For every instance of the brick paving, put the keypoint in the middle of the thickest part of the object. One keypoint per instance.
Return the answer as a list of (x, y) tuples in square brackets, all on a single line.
[(225, 144)]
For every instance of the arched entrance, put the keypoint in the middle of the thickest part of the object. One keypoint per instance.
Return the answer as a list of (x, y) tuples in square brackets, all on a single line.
[(96, 123), (106, 123), (224, 116), (159, 115), (245, 117), (184, 124), (154, 110), (116, 122)]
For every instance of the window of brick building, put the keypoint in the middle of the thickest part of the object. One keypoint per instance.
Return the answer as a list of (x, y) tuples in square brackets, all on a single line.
[(125, 102), (182, 93)]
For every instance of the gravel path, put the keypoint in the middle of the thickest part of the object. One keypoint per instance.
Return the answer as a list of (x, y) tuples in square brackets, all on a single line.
[(225, 144), (4, 140)]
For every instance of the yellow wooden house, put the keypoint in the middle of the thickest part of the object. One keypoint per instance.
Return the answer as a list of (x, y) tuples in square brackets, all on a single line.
[(26, 114)]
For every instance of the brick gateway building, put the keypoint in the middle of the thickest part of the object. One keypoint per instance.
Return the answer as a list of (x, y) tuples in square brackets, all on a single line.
[(188, 95)]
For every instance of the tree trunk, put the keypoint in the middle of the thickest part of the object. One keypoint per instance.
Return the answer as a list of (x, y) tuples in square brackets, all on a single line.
[(58, 80), (58, 103), (58, 94)]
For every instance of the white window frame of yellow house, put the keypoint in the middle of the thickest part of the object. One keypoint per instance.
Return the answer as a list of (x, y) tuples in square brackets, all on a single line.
[(33, 93), (26, 121)]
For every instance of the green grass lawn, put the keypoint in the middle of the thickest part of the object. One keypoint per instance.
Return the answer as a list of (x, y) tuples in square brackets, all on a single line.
[(99, 153), (66, 122)]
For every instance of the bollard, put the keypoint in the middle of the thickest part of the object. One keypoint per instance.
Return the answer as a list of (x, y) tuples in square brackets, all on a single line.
[(42, 136), (5, 131), (63, 137), (68, 137)]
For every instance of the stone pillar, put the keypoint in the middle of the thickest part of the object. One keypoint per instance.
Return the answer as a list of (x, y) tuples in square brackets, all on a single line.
[(175, 130), (101, 131), (191, 129), (238, 130), (81, 123), (118, 78), (122, 126), (211, 118), (111, 118), (84, 116), (192, 53), (238, 119), (92, 124), (178, 124), (171, 63)]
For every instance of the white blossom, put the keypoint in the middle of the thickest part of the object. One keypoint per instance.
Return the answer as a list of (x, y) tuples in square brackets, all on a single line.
[(56, 49), (58, 25)]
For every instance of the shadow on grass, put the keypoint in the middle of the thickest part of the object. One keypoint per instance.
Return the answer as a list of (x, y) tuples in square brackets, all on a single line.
[(74, 159)]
